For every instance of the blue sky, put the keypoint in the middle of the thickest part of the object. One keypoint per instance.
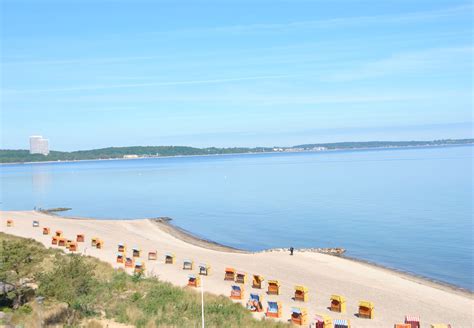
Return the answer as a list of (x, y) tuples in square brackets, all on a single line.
[(89, 74)]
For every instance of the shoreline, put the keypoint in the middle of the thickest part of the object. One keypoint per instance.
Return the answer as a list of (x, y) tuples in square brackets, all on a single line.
[(244, 153), (394, 294), (165, 224)]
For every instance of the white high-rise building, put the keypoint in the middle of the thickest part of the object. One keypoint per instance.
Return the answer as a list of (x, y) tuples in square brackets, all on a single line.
[(39, 145)]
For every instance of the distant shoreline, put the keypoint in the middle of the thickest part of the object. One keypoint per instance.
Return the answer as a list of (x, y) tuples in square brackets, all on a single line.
[(246, 153)]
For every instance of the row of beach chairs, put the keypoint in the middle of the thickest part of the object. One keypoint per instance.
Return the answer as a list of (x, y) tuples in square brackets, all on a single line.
[(299, 315)]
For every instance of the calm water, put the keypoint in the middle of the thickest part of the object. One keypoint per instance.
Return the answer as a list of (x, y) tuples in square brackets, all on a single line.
[(409, 209)]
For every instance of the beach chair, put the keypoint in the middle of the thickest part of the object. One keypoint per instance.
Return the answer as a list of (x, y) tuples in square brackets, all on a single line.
[(402, 325), (237, 292), (257, 281), (366, 309), (61, 242), (204, 269), (188, 264), (54, 240), (342, 323), (254, 303), (273, 309), (58, 233), (440, 325), (299, 316), (321, 321), (129, 262), (414, 321), (46, 231), (273, 287), (139, 267), (194, 281), (72, 247), (229, 274), (121, 248), (94, 241), (80, 238), (68, 243), (136, 252), (120, 258), (36, 224), (152, 255), (99, 244), (169, 258), (301, 293), (338, 303), (9, 223), (240, 277)]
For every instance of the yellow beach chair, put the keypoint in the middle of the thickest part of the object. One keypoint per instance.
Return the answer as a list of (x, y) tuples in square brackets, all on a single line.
[(152, 255), (301, 293), (188, 264), (136, 252), (229, 274), (99, 244), (204, 269), (121, 248), (257, 281), (237, 292), (273, 287), (72, 246), (129, 262), (254, 304), (139, 267), (94, 241), (273, 309), (299, 316), (338, 303), (120, 258), (169, 258), (194, 281), (366, 309), (240, 277)]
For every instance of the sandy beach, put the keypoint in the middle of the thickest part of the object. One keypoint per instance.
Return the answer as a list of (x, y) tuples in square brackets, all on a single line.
[(394, 294)]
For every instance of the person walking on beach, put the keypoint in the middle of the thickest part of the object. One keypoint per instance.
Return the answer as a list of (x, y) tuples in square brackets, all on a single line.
[(291, 251)]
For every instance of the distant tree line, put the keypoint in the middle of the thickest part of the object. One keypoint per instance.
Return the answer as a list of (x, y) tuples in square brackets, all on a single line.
[(22, 156)]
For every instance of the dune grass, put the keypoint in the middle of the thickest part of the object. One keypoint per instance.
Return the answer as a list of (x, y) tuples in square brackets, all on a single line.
[(78, 289)]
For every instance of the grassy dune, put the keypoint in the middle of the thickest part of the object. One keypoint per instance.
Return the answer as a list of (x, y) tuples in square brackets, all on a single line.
[(83, 291)]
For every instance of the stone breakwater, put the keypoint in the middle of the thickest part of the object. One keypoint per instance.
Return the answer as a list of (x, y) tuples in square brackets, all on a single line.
[(331, 251)]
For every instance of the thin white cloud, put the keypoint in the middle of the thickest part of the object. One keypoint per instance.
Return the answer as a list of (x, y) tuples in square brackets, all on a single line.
[(336, 22), (432, 60), (343, 21), (144, 85)]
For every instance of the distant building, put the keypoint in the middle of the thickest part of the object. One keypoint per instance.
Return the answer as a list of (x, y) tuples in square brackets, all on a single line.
[(39, 145)]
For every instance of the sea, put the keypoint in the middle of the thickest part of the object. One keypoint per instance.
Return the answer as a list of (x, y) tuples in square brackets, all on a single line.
[(408, 209)]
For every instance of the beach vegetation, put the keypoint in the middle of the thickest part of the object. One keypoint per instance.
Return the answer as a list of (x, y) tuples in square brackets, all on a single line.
[(78, 291)]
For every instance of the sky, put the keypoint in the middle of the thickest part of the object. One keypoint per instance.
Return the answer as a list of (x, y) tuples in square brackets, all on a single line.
[(90, 74)]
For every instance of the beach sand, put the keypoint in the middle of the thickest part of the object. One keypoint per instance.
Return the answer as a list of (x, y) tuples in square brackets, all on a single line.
[(394, 294)]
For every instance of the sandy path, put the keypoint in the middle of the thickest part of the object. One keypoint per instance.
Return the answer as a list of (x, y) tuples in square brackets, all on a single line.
[(393, 294)]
